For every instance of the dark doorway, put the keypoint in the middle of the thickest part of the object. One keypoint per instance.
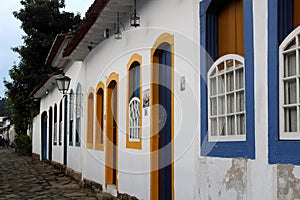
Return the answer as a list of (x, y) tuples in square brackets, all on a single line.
[(50, 133), (65, 130), (44, 135), (165, 119), (111, 158)]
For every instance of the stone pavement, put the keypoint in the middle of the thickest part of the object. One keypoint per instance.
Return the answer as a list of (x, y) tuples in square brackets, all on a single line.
[(24, 178)]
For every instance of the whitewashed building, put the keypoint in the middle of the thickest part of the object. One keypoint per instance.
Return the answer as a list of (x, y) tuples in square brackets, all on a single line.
[(5, 125), (200, 101)]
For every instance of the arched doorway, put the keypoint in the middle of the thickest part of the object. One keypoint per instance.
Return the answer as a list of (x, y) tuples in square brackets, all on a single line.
[(44, 135), (162, 118), (50, 133), (111, 156), (65, 131)]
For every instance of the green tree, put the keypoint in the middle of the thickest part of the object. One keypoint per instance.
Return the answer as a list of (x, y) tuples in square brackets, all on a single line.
[(4, 107), (41, 21)]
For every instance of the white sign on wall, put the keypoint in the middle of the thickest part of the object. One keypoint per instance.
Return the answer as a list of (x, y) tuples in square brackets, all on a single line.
[(146, 102)]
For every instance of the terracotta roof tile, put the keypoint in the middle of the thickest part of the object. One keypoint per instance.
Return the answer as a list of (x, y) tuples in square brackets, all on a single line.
[(55, 47)]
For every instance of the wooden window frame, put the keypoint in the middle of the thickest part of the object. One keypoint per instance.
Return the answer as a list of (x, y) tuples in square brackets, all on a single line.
[(99, 142), (136, 143), (235, 63), (208, 55), (287, 48), (90, 119), (280, 25)]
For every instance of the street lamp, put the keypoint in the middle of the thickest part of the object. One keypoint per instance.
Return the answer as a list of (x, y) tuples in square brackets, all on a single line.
[(63, 83), (135, 18)]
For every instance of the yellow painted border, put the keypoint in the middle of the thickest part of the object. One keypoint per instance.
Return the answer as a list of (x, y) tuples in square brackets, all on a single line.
[(154, 137), (90, 145), (108, 170), (134, 145), (99, 146)]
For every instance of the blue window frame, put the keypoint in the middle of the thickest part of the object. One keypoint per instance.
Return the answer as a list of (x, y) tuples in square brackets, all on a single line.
[(280, 24), (208, 54)]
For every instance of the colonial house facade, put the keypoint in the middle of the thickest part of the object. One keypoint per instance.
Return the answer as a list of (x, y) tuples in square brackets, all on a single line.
[(191, 100)]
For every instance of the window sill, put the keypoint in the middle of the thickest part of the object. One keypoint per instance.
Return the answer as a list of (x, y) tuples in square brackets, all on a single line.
[(90, 145), (99, 147), (289, 136), (134, 145), (134, 140), (235, 138)]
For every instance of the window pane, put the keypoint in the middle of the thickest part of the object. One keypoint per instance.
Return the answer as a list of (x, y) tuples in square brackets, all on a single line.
[(290, 64), (290, 91), (221, 84), (222, 126), (213, 72), (240, 103), (214, 131), (231, 125), (221, 105), (221, 67), (230, 82), (239, 79), (241, 124), (134, 118), (229, 64), (227, 99), (213, 85), (213, 106), (290, 119), (136, 82), (230, 103), (238, 64), (291, 45)]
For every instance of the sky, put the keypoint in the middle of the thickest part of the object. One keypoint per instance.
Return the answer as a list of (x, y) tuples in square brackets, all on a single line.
[(11, 33)]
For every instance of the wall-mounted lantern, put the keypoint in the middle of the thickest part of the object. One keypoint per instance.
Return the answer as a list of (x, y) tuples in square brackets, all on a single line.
[(135, 18), (118, 33), (63, 83)]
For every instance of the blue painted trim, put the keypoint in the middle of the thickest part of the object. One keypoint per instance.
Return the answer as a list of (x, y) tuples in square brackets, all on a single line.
[(245, 149), (280, 151)]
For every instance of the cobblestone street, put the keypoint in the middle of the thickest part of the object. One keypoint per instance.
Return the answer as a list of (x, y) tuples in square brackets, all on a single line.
[(24, 178)]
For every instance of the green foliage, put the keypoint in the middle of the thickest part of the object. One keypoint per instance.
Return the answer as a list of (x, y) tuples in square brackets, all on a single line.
[(4, 107), (23, 144), (41, 21)]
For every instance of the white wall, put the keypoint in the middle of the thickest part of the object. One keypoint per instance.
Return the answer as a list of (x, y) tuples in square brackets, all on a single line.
[(36, 136), (222, 178), (54, 97), (113, 55), (195, 177), (263, 176)]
